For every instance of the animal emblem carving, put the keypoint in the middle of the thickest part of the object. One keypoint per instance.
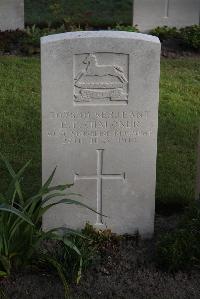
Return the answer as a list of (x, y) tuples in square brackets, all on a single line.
[(99, 83), (94, 69)]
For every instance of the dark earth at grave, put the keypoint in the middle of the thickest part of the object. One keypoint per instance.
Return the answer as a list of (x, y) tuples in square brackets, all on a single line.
[(126, 270)]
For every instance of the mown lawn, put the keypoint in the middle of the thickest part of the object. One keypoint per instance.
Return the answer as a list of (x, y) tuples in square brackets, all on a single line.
[(179, 118), (20, 115), (87, 12)]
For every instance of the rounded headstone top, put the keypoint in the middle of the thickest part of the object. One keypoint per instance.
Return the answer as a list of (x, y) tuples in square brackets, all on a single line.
[(99, 34)]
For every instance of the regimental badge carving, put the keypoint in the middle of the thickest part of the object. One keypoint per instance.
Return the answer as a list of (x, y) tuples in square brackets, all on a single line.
[(101, 79)]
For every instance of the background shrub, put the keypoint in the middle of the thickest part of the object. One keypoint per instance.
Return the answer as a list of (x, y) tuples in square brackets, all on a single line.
[(11, 40), (191, 36), (165, 32), (180, 250), (127, 28), (96, 13)]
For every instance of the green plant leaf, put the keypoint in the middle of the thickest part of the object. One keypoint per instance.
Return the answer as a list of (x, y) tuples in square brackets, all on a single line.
[(46, 189), (3, 274), (60, 187), (80, 270), (8, 165), (44, 258), (50, 196), (5, 243), (20, 237), (71, 245), (15, 182), (14, 228), (6, 264), (2, 294), (2, 198), (10, 209), (61, 232), (32, 202), (53, 195), (65, 201), (49, 180)]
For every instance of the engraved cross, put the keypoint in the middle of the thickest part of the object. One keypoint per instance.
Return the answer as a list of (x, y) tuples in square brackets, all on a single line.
[(99, 177)]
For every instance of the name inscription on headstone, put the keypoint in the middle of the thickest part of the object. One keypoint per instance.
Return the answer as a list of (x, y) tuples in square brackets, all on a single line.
[(98, 127)]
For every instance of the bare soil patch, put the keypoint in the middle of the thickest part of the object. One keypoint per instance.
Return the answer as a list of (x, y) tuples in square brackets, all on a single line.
[(126, 269)]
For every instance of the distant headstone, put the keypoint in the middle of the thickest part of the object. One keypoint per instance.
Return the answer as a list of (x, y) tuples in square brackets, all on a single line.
[(100, 93), (11, 14), (148, 14)]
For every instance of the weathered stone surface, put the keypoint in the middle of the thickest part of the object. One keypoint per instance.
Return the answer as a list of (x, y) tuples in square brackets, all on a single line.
[(11, 14), (99, 118), (148, 14)]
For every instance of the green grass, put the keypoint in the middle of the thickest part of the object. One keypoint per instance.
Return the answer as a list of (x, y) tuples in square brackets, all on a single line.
[(86, 12), (179, 119), (20, 115)]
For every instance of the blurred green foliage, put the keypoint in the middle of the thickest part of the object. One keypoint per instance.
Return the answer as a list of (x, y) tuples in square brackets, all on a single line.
[(84, 12)]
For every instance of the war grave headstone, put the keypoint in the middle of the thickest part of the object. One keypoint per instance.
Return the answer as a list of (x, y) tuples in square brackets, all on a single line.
[(11, 14), (148, 14), (100, 94)]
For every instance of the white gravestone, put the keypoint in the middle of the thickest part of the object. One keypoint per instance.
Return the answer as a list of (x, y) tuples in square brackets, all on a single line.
[(11, 14), (100, 94), (148, 14)]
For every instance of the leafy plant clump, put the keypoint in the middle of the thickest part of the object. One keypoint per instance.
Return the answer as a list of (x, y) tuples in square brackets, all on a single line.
[(165, 32), (21, 237), (191, 36), (28, 41), (126, 28), (98, 13), (30, 44), (180, 250), (91, 246), (24, 42), (10, 40)]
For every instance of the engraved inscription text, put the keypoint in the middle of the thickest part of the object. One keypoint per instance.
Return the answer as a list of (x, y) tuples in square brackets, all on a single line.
[(103, 127)]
